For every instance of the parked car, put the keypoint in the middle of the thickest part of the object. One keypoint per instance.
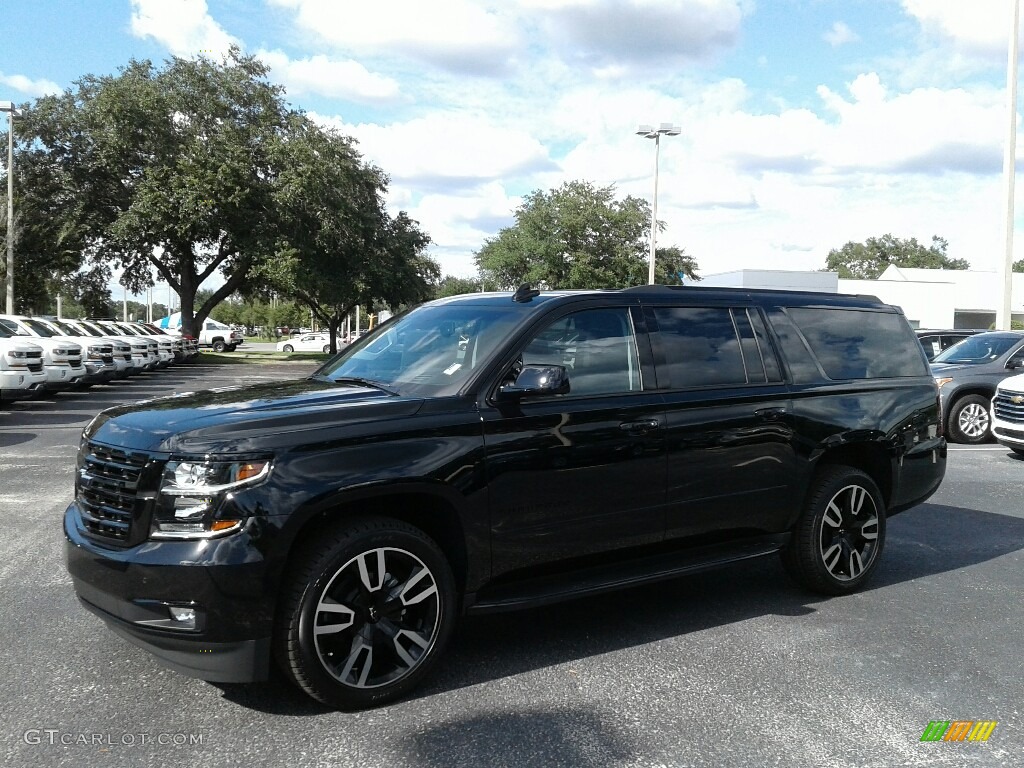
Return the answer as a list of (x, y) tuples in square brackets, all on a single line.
[(21, 366), (307, 342), (131, 354), (1008, 413), (99, 353), (492, 451), (967, 374), (935, 341), (62, 358)]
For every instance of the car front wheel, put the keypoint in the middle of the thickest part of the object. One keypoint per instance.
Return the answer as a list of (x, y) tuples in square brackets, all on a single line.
[(367, 610), (969, 420), (327, 349), (287, 348), (838, 540)]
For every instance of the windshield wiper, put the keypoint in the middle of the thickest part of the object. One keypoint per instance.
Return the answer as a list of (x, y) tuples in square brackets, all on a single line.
[(363, 382)]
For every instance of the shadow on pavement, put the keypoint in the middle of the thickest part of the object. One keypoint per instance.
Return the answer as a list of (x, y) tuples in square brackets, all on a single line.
[(927, 540)]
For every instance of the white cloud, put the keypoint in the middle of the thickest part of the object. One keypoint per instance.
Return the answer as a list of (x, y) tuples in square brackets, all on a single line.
[(185, 27), (459, 35), (446, 150), (978, 26), (28, 86), (840, 34), (608, 31), (324, 76)]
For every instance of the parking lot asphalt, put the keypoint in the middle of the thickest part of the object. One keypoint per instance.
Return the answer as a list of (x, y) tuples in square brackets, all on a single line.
[(731, 667)]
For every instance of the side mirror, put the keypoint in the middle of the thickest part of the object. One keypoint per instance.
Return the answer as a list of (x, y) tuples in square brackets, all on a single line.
[(1013, 363), (534, 380)]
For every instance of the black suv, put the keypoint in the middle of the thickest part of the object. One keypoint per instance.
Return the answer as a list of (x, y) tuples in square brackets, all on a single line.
[(495, 451)]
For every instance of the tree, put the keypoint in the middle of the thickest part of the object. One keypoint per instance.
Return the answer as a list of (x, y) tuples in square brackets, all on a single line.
[(868, 260), (338, 247), (576, 236), (454, 286), (1018, 266), (164, 168)]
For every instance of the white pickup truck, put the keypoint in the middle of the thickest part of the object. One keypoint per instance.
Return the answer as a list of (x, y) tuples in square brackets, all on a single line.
[(21, 366), (222, 338)]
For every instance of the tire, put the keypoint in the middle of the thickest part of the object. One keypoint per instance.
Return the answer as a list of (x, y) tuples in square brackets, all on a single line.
[(387, 635), (219, 345), (838, 540), (1018, 451), (969, 420), (327, 349), (288, 348)]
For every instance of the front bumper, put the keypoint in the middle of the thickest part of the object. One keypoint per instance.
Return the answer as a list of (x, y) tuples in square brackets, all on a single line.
[(61, 376), (20, 383), (227, 581), (97, 371)]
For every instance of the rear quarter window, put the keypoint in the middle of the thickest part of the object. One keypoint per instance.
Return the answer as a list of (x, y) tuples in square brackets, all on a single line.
[(860, 344)]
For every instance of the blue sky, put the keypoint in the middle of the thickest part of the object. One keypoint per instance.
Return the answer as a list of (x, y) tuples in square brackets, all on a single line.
[(805, 123)]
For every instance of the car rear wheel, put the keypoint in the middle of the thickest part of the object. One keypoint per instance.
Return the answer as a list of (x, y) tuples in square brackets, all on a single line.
[(288, 348), (367, 610), (838, 540), (219, 345), (969, 420)]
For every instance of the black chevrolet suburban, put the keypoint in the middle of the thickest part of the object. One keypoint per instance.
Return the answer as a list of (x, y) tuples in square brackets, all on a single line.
[(489, 452)]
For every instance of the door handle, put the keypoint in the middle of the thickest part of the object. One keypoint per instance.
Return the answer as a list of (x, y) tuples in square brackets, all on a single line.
[(639, 426), (770, 414)]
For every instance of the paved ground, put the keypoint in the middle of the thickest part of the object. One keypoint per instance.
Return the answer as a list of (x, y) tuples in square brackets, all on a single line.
[(731, 668)]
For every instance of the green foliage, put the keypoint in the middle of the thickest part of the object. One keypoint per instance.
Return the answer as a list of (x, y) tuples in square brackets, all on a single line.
[(454, 286), (338, 248), (576, 236), (1018, 266), (869, 259), (176, 159)]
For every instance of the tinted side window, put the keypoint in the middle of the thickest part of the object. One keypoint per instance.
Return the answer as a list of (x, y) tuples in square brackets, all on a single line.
[(701, 346), (596, 346), (771, 362), (860, 344)]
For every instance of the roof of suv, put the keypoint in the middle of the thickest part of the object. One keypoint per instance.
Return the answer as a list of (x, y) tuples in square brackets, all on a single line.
[(677, 292)]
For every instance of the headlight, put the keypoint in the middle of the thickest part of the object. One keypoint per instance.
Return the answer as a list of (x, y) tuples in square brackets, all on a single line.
[(942, 381), (191, 491)]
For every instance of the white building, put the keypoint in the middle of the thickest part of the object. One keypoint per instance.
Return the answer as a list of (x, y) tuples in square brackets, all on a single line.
[(930, 298)]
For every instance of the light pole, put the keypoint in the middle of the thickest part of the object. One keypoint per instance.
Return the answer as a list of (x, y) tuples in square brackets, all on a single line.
[(650, 132), (8, 107), (1004, 312)]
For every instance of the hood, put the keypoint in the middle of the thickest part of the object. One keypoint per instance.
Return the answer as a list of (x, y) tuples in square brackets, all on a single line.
[(255, 418)]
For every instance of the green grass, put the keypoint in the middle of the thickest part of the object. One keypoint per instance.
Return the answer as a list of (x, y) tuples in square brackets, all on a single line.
[(266, 358)]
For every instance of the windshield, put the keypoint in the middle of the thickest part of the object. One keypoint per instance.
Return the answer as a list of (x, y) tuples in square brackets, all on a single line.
[(92, 330), (13, 328), (431, 350), (63, 327), (975, 350), (39, 328)]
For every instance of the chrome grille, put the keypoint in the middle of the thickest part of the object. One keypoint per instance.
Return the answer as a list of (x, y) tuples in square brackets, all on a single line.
[(108, 484), (1007, 410)]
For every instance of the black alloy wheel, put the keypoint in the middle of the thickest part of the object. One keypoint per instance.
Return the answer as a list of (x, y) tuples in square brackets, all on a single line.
[(839, 538), (367, 611)]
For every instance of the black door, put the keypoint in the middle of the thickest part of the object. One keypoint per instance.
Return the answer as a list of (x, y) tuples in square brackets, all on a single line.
[(728, 436), (584, 472)]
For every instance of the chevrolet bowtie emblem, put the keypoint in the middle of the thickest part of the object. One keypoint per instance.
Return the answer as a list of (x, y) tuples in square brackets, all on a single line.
[(1017, 399)]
